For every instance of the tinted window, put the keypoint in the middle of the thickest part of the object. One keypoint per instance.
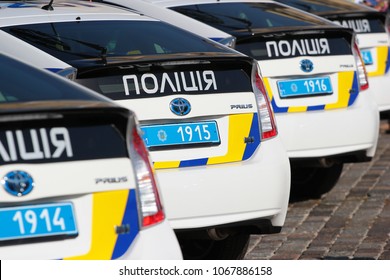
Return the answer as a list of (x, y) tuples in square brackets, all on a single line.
[(22, 83), (364, 20), (99, 39), (315, 6), (237, 16)]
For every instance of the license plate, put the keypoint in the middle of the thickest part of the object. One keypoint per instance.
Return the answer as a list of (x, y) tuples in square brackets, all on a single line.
[(305, 87), (37, 221), (367, 57), (180, 134)]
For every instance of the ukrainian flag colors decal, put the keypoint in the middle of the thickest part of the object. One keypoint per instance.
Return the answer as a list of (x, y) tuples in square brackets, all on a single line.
[(111, 210), (241, 126), (348, 90), (383, 62)]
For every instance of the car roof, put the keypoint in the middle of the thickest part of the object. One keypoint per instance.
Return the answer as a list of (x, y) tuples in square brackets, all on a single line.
[(311, 21), (21, 12)]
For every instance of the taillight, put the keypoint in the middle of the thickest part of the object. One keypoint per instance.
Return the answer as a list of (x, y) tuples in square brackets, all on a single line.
[(266, 115), (151, 208), (361, 68)]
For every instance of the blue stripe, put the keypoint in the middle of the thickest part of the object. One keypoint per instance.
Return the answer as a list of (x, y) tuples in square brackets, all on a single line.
[(388, 61), (54, 70), (255, 133), (130, 218), (193, 162), (216, 39), (278, 109), (355, 90), (315, 108)]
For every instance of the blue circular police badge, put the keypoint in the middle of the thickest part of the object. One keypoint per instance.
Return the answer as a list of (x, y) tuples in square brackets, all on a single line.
[(18, 183)]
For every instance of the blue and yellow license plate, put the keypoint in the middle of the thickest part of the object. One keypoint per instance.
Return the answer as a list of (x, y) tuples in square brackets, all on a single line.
[(180, 134), (305, 87), (37, 221)]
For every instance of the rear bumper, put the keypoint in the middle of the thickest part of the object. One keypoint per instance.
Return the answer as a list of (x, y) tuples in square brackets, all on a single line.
[(211, 195), (380, 87), (154, 243), (317, 134)]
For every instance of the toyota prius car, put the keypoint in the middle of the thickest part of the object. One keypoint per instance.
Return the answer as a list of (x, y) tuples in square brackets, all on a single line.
[(202, 107), (75, 175), (315, 79), (372, 29)]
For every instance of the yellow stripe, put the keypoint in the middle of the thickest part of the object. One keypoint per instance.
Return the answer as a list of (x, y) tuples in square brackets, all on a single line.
[(382, 56), (108, 210), (239, 128), (168, 164), (294, 109), (345, 81)]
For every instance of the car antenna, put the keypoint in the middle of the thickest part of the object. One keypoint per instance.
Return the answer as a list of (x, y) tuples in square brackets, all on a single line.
[(48, 7)]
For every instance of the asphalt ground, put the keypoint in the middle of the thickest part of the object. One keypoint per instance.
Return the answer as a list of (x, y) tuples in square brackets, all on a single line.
[(352, 221)]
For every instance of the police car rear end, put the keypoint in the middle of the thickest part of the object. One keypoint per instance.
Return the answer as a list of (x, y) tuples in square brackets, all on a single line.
[(203, 110), (315, 78), (372, 29), (76, 182)]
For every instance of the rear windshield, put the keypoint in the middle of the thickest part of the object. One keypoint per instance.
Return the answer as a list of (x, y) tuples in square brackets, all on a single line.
[(339, 11), (98, 39), (246, 16), (23, 83), (319, 6)]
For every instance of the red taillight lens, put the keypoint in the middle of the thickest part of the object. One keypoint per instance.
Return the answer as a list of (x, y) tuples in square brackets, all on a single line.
[(266, 115), (361, 68), (151, 207)]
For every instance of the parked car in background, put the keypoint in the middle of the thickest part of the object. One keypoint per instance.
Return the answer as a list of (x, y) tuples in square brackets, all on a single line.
[(76, 181), (202, 107), (372, 29), (315, 79)]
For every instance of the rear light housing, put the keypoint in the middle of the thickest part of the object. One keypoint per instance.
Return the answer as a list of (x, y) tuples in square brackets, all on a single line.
[(266, 114), (148, 197), (361, 68)]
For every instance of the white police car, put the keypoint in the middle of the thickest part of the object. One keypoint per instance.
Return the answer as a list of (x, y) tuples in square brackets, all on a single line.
[(372, 29), (202, 107), (76, 181), (314, 76)]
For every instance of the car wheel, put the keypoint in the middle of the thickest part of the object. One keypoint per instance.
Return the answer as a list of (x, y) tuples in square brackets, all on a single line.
[(313, 182), (233, 247)]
